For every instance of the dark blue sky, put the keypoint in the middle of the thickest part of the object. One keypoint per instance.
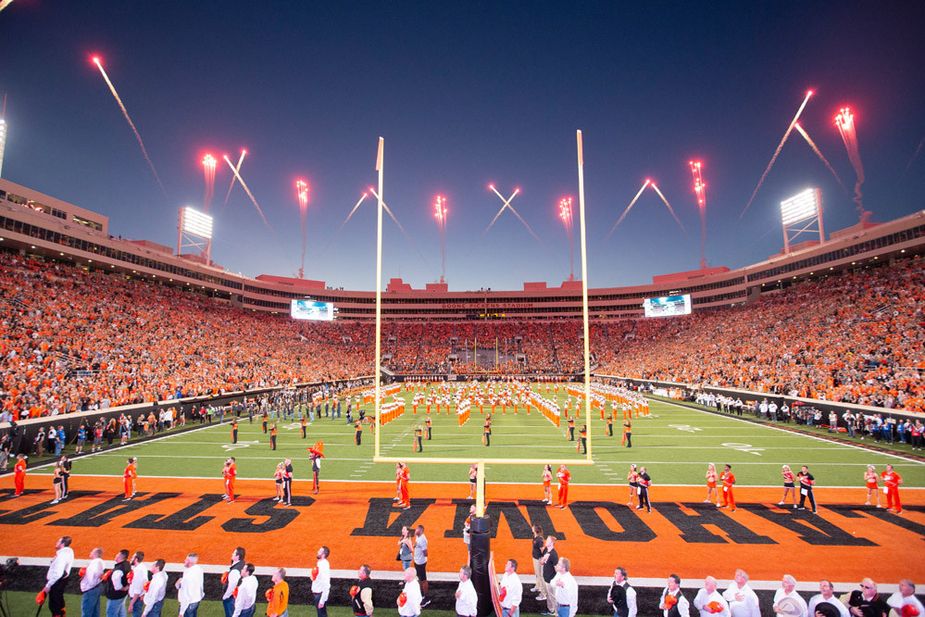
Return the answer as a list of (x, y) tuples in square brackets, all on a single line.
[(464, 93)]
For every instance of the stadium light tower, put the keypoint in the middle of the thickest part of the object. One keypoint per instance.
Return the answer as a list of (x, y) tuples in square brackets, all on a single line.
[(802, 214), (194, 231), (2, 134)]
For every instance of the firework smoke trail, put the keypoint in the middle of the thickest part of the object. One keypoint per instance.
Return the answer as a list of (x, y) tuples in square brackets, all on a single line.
[(131, 124), (670, 209), (780, 147), (565, 213), (845, 123), (208, 171), (388, 211), (302, 194), (355, 208), (824, 160), (700, 192), (507, 204), (915, 155), (5, 3), (248, 191), (440, 213), (629, 207), (237, 170)]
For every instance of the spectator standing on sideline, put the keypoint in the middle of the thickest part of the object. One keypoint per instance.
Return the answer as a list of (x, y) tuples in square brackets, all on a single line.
[(466, 598), (420, 562), (621, 595), (511, 591), (190, 587), (743, 602), (566, 588), (321, 581)]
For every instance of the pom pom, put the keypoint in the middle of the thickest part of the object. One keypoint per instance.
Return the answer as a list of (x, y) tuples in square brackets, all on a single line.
[(354, 590), (82, 572), (106, 575), (502, 594), (40, 597), (234, 594), (147, 586), (314, 572), (909, 610), (224, 578), (130, 577), (714, 607), (402, 599), (269, 595), (670, 601)]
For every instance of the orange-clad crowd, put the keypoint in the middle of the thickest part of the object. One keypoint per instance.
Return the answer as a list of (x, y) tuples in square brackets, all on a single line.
[(73, 339)]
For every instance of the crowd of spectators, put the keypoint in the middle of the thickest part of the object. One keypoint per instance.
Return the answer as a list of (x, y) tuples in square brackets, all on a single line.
[(77, 339)]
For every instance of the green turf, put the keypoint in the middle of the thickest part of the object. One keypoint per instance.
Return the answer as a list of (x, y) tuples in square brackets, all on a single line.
[(675, 444)]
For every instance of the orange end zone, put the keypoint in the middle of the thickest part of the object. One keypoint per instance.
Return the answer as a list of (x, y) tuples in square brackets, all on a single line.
[(171, 517)]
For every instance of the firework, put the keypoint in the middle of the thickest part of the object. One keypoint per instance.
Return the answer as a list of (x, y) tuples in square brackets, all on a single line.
[(248, 191), (815, 148), (506, 204), (388, 211), (629, 207), (301, 187), (356, 207), (700, 193), (667, 205), (208, 171), (144, 151), (237, 169), (5, 3), (780, 147), (440, 212), (845, 123), (565, 215)]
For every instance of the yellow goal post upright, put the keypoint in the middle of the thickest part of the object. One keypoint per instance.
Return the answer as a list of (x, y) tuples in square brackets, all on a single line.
[(481, 578)]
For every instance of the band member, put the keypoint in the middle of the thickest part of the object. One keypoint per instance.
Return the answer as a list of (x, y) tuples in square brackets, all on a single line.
[(789, 487), (263, 422), (128, 478), (273, 433), (728, 480), (56, 579), (564, 476), (807, 481), (711, 485), (486, 431), (633, 479), (418, 445), (429, 425), (610, 426), (628, 433), (571, 427), (19, 474), (891, 482), (234, 431), (547, 484), (870, 480), (303, 426), (404, 494), (583, 438)]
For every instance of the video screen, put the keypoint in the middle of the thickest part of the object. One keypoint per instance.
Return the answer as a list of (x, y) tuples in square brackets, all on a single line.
[(312, 310), (667, 306)]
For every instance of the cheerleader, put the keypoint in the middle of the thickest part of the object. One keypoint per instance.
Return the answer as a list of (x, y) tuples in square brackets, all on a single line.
[(547, 484), (473, 478), (788, 486), (278, 478), (633, 479), (870, 480), (712, 493), (58, 482)]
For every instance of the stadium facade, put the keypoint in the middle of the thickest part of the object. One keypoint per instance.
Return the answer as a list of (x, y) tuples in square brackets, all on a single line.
[(43, 225)]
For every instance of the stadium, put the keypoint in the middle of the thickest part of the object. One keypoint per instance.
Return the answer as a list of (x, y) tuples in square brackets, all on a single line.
[(763, 418)]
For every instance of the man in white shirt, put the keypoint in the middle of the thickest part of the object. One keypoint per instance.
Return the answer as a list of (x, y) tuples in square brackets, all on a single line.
[(190, 587), (673, 602), (157, 589), (743, 602), (136, 588), (512, 590), (409, 601), (826, 594), (467, 599), (245, 603), (321, 581), (56, 579), (708, 599), (787, 602), (622, 596), (90, 587), (231, 579), (566, 589), (905, 597)]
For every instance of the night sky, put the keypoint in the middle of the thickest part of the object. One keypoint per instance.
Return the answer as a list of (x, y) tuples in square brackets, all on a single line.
[(464, 94)]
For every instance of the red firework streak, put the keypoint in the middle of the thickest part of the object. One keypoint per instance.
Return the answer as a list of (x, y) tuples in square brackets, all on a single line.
[(700, 192), (565, 214), (301, 187), (440, 212)]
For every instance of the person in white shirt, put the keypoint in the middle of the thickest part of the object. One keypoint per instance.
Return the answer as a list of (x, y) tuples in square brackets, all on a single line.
[(826, 594), (190, 587), (709, 598), (157, 589), (743, 602), (136, 588), (409, 601), (232, 578), (245, 603), (467, 599), (787, 602), (905, 596), (56, 579), (512, 590), (622, 596), (673, 602), (90, 587), (566, 589), (321, 581)]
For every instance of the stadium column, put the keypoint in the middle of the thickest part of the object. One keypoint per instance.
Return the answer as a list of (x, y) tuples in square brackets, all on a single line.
[(480, 547)]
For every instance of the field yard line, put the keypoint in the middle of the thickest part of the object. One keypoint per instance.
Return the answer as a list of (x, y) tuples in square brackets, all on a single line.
[(846, 445)]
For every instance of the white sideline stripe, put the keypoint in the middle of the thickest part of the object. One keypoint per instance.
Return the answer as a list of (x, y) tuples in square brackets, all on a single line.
[(595, 581), (774, 428), (466, 483)]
